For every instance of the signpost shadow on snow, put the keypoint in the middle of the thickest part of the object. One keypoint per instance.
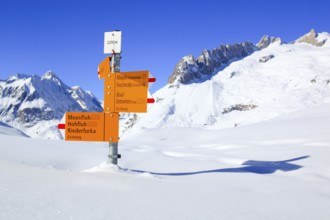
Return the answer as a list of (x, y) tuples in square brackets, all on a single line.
[(249, 166)]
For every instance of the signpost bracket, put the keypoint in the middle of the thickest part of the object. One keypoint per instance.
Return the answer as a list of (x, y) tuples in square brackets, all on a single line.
[(118, 156)]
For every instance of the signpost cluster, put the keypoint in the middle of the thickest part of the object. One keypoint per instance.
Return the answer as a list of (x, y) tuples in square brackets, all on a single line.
[(123, 92)]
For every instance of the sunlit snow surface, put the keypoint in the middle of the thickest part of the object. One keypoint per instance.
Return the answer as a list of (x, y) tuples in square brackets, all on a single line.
[(277, 169)]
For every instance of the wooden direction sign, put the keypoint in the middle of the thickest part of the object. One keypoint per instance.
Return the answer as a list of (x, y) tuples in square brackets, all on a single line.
[(90, 126)]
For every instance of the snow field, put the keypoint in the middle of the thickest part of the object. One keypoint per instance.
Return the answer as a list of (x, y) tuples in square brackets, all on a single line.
[(277, 169)]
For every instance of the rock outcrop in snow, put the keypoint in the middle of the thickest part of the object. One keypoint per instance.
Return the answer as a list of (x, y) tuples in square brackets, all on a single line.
[(35, 104), (311, 38), (266, 58), (266, 40), (190, 69)]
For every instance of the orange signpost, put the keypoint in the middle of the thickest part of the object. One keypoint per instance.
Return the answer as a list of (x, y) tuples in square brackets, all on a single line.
[(111, 127), (90, 126), (104, 72), (104, 67), (123, 92), (131, 91), (84, 126)]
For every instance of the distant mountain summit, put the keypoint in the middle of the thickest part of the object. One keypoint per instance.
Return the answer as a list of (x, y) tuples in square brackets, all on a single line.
[(266, 40), (311, 38), (35, 104)]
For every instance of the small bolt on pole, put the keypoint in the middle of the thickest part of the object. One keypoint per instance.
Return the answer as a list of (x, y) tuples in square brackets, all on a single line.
[(113, 146)]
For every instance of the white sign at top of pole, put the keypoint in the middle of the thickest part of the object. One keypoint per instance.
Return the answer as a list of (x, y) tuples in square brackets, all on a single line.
[(112, 42)]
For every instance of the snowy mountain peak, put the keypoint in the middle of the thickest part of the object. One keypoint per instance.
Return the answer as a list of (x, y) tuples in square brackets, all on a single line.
[(17, 76), (35, 104), (311, 38), (266, 40), (49, 75)]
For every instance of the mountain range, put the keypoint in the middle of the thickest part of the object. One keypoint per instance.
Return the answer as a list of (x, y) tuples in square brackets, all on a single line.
[(35, 104), (229, 86)]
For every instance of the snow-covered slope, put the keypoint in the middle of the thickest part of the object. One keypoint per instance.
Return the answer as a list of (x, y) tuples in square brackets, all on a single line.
[(35, 104), (279, 79), (8, 130), (278, 169)]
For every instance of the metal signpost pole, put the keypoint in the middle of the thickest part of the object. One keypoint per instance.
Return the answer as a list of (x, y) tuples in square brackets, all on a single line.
[(112, 44), (113, 146), (113, 153)]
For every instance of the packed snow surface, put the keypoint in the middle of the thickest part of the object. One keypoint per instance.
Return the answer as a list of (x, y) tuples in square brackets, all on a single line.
[(276, 169)]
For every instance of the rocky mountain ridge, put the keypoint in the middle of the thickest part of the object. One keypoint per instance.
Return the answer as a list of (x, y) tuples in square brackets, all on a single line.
[(190, 69)]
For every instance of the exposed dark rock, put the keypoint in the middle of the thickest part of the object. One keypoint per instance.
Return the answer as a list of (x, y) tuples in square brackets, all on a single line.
[(239, 107), (265, 41), (190, 69), (264, 59), (310, 38)]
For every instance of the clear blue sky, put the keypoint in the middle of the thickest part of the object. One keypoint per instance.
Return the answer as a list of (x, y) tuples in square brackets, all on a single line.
[(66, 36)]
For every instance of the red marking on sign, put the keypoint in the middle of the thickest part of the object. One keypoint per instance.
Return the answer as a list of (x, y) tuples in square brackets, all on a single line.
[(152, 80), (61, 126), (152, 100)]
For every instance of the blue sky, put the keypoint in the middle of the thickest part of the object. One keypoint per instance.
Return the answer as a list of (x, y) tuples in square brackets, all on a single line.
[(66, 36)]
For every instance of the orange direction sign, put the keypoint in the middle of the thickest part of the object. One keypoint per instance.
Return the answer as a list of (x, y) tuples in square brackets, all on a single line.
[(104, 72), (111, 127), (91, 126), (125, 91), (104, 67), (131, 91)]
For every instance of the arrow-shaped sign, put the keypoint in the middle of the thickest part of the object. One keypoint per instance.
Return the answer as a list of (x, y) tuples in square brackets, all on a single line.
[(90, 126), (125, 91)]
